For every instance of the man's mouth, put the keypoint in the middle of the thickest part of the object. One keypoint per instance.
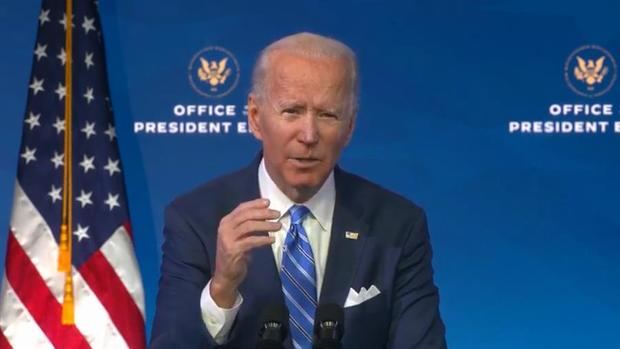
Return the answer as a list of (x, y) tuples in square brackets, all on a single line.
[(305, 161)]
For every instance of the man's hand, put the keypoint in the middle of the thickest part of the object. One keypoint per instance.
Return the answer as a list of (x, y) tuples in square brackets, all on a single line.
[(239, 232)]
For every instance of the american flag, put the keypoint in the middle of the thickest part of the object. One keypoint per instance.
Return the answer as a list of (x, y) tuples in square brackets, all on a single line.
[(107, 294)]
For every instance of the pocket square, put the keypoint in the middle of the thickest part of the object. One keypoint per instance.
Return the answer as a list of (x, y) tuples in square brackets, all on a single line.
[(356, 298)]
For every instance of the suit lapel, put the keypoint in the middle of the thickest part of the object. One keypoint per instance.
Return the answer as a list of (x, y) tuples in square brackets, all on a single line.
[(344, 249), (263, 278)]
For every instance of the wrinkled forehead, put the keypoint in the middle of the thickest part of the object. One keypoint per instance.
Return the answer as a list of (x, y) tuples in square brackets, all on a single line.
[(316, 80)]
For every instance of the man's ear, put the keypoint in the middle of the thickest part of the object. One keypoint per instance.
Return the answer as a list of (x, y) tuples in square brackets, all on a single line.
[(254, 117)]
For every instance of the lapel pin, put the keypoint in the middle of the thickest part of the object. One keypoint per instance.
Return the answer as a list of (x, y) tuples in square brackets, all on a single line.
[(351, 235)]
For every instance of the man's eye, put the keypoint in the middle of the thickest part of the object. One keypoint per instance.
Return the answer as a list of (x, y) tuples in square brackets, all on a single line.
[(293, 111), (328, 115)]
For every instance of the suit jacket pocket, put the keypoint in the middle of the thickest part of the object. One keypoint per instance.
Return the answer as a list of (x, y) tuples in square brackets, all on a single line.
[(367, 324)]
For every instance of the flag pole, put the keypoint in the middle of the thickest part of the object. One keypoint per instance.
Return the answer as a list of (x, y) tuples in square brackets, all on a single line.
[(64, 257)]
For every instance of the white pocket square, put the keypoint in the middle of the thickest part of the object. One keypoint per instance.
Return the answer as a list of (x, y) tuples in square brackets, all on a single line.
[(355, 298)]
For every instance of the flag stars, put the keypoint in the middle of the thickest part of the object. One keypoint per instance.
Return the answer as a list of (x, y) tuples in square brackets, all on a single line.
[(111, 132), (63, 21), (87, 163), (55, 194), (89, 95), (59, 125), (62, 56), (88, 60), (81, 233), (60, 91), (84, 198), (44, 17), (33, 120), (89, 129), (112, 167), (40, 51), (58, 160), (28, 155), (112, 201), (37, 85), (88, 25)]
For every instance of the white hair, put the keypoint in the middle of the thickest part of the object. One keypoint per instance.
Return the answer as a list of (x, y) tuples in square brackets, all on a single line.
[(313, 46)]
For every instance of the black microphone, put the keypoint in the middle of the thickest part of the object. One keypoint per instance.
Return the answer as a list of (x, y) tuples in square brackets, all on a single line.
[(328, 327), (274, 327)]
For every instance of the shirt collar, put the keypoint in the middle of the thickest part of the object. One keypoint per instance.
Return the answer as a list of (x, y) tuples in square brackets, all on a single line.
[(321, 205)]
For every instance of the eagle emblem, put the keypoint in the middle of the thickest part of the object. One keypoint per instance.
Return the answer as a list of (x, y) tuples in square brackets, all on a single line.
[(214, 72), (590, 71)]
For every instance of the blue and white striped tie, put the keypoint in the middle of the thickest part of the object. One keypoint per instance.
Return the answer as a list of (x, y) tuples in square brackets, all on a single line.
[(299, 280)]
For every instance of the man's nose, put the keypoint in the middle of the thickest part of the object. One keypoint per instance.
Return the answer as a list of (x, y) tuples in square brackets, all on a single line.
[(309, 129)]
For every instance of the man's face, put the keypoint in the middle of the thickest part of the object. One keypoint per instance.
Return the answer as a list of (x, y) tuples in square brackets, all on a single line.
[(304, 120)]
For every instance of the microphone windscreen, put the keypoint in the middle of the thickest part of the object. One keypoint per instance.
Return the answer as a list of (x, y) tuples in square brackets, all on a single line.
[(329, 313), (275, 313), (273, 327)]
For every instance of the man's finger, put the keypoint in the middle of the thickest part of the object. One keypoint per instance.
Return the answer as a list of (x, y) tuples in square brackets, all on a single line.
[(256, 203), (252, 242), (248, 227), (254, 214)]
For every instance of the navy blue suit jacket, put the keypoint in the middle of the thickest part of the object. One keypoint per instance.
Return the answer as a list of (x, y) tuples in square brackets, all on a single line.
[(392, 252)]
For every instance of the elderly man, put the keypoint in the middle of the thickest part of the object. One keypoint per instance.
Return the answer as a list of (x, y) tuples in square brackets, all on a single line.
[(295, 229)]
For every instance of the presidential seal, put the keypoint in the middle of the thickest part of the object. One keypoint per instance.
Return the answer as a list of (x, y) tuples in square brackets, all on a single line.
[(590, 71), (213, 72)]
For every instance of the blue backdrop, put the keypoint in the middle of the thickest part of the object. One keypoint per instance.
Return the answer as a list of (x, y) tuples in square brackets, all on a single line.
[(525, 227)]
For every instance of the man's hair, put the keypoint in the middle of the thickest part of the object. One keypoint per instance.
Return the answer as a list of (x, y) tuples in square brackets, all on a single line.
[(313, 46)]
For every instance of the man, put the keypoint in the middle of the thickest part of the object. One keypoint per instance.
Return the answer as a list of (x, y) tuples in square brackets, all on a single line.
[(294, 229)]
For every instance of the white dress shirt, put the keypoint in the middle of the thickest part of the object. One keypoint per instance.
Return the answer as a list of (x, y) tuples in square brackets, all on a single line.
[(318, 226)]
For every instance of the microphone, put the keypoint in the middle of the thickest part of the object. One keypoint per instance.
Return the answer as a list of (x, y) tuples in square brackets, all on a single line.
[(274, 327), (328, 327)]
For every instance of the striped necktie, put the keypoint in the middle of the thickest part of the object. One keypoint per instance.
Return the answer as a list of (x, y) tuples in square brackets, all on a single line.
[(298, 277)]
